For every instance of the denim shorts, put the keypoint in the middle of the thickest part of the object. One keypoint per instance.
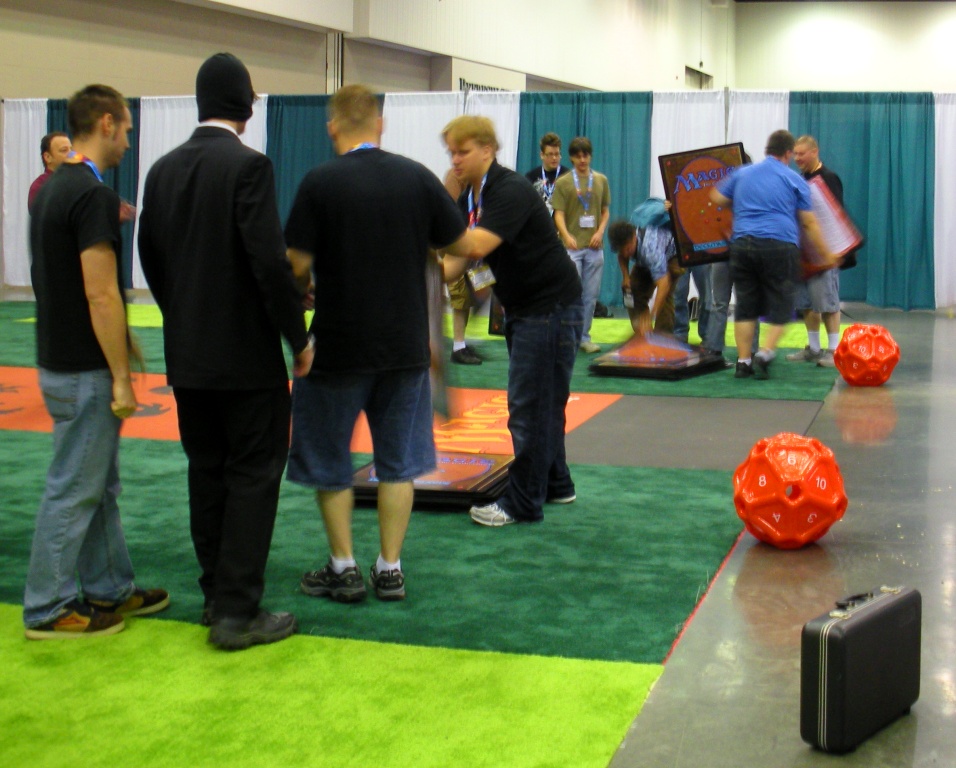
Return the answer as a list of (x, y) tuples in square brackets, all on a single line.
[(764, 273), (324, 409), (821, 292)]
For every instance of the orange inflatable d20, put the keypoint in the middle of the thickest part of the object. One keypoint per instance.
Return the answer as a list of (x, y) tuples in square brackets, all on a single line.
[(789, 490), (866, 355)]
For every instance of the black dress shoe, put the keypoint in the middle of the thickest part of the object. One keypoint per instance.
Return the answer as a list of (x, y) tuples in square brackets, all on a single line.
[(235, 634), (465, 356)]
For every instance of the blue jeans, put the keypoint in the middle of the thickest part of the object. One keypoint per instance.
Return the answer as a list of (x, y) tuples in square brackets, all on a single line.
[(701, 276), (590, 266), (542, 350), (78, 529)]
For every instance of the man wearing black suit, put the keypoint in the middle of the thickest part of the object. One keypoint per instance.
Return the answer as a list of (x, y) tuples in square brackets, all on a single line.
[(212, 250)]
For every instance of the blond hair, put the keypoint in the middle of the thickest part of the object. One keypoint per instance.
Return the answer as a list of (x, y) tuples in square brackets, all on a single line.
[(808, 140), (354, 108), (474, 127)]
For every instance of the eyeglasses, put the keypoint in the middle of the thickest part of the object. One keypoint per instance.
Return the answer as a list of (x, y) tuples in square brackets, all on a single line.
[(552, 154)]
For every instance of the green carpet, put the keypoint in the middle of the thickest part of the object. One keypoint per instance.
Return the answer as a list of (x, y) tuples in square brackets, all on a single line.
[(790, 381), (157, 696), (612, 576)]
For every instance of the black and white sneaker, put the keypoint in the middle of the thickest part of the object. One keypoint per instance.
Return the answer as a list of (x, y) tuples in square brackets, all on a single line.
[(345, 587), (388, 585)]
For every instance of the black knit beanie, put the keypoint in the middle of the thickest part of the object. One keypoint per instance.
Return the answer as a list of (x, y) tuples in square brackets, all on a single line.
[(224, 89)]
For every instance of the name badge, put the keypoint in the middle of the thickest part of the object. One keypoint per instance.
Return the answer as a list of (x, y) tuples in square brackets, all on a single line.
[(586, 222), (481, 277)]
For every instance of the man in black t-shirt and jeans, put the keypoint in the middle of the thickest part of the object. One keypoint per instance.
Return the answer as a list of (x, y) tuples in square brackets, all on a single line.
[(83, 358), (540, 290), (362, 224)]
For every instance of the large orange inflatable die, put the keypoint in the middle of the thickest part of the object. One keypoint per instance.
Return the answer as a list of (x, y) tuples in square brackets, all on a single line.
[(789, 490), (866, 355)]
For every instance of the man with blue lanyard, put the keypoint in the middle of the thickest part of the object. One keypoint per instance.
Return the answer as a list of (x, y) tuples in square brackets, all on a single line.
[(541, 293), (361, 226), (581, 202), (771, 206), (544, 177), (83, 354)]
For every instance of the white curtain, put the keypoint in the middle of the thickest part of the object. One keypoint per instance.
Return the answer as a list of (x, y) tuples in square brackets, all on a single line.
[(165, 122), (944, 223), (754, 115), (24, 125), (682, 121), (504, 108), (413, 125)]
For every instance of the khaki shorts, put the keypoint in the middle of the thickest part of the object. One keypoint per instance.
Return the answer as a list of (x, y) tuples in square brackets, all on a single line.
[(460, 294)]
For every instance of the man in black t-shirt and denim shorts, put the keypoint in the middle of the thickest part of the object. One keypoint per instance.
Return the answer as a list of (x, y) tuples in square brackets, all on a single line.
[(362, 224)]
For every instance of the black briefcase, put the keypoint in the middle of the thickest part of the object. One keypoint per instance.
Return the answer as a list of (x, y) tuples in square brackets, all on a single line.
[(859, 667)]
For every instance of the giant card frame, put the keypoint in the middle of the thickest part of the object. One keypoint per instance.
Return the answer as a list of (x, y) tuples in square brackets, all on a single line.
[(702, 227)]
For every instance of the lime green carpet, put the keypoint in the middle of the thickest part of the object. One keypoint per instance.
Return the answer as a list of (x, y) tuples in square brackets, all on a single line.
[(156, 696)]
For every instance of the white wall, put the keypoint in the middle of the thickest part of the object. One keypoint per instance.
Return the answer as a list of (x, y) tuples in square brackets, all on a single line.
[(51, 48), (846, 46), (384, 69), (601, 44), (311, 14)]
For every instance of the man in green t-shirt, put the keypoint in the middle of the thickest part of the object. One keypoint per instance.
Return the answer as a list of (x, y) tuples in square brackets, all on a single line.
[(582, 201)]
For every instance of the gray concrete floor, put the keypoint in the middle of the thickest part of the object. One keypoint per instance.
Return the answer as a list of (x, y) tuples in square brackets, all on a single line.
[(729, 696)]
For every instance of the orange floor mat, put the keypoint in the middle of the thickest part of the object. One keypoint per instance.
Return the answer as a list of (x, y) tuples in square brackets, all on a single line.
[(478, 422)]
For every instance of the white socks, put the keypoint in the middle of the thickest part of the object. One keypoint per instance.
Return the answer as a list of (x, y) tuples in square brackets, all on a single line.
[(381, 565), (340, 565)]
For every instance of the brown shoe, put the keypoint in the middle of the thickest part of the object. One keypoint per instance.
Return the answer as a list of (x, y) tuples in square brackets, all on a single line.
[(77, 620), (141, 603)]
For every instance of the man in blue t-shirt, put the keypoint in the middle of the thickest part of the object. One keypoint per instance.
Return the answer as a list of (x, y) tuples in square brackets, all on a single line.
[(771, 206)]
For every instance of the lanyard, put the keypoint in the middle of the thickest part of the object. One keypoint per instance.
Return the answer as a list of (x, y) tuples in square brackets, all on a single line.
[(549, 188), (473, 214), (363, 145), (86, 161), (585, 201)]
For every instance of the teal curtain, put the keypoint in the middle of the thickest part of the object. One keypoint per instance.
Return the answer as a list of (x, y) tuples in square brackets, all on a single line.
[(882, 145), (122, 179), (619, 127), (297, 142)]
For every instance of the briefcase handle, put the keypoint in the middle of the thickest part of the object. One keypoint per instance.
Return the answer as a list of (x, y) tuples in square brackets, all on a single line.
[(852, 600)]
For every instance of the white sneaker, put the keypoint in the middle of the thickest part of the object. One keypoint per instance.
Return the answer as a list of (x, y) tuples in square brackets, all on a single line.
[(826, 359), (589, 347), (563, 499), (491, 515), (805, 355)]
